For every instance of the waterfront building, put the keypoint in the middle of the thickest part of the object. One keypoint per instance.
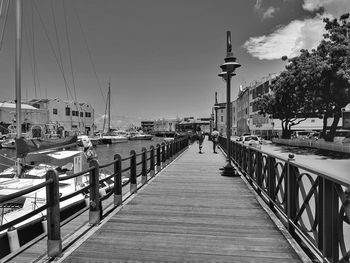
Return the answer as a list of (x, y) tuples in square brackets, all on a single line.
[(147, 126), (220, 118), (191, 124), (67, 117), (246, 117), (30, 117), (242, 108), (166, 125), (259, 124)]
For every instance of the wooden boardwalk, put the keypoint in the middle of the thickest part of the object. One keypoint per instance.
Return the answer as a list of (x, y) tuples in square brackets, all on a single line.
[(188, 213)]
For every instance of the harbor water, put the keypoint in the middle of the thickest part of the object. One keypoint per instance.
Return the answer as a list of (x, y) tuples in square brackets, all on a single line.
[(104, 152)]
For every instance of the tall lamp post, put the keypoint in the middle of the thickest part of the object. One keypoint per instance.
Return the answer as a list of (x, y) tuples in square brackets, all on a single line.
[(228, 69)]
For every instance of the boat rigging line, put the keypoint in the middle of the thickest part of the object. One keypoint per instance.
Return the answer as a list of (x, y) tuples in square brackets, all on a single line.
[(58, 43), (5, 19), (60, 66), (69, 48), (89, 52)]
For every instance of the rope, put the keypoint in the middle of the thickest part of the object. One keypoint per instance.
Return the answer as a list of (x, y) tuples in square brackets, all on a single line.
[(59, 48), (69, 48), (89, 52), (51, 46), (5, 21)]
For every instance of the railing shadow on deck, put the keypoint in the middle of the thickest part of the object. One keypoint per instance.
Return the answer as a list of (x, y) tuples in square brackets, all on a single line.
[(144, 164), (314, 206)]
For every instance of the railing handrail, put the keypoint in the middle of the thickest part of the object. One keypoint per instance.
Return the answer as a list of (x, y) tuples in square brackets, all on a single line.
[(332, 177), (162, 152), (313, 205)]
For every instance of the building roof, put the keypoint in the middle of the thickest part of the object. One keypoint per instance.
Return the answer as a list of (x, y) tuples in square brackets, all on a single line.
[(11, 105)]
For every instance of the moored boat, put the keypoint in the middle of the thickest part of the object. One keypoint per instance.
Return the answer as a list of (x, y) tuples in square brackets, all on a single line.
[(140, 136)]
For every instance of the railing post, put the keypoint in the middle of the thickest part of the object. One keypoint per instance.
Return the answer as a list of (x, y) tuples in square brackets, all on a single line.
[(144, 166), (95, 204), (163, 154), (117, 191), (258, 172), (152, 164), (171, 151), (330, 213), (159, 167), (291, 192), (174, 148), (249, 165), (167, 151), (54, 241), (133, 181), (271, 181)]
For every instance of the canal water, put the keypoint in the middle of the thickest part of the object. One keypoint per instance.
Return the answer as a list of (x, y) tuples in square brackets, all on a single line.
[(104, 152)]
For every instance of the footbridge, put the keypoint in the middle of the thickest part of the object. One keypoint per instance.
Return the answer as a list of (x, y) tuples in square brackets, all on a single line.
[(178, 208)]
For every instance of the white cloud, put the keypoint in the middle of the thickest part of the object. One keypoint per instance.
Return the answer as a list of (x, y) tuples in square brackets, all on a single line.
[(287, 40), (334, 7), (299, 34), (269, 12)]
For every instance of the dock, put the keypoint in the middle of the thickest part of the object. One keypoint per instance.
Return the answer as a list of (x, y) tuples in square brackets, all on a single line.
[(187, 213)]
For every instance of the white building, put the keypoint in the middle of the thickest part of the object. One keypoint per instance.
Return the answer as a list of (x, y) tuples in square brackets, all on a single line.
[(30, 116), (166, 125), (67, 117)]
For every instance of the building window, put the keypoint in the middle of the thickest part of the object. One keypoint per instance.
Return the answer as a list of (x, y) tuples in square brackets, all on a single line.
[(54, 111), (67, 111), (87, 114), (222, 118), (74, 126), (81, 114)]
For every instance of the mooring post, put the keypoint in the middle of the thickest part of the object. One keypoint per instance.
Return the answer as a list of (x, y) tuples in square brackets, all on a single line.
[(133, 181), (117, 191), (54, 241), (95, 205), (144, 166), (152, 164)]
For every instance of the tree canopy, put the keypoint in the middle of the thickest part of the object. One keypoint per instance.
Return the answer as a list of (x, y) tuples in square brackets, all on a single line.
[(314, 84)]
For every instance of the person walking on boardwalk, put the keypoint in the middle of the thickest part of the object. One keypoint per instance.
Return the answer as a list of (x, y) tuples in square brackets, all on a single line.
[(215, 139), (200, 138)]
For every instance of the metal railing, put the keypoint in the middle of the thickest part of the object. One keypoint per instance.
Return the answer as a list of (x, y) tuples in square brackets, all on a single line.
[(313, 205), (144, 164)]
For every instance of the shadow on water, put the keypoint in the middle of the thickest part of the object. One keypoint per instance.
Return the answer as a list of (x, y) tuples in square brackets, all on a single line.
[(322, 154)]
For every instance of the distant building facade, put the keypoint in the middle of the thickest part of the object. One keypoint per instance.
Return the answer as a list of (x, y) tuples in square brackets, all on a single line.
[(30, 116), (147, 126), (67, 117)]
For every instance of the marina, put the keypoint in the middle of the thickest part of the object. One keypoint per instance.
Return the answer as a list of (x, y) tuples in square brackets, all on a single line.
[(123, 139)]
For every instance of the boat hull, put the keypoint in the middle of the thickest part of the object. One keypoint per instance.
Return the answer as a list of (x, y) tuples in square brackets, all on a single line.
[(139, 138)]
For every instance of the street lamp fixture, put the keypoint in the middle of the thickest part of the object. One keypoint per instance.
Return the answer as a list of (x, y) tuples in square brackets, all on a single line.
[(227, 73)]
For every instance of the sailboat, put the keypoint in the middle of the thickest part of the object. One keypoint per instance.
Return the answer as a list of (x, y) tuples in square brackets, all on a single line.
[(111, 136)]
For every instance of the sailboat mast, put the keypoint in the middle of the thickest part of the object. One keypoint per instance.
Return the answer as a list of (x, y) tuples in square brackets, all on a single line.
[(18, 66), (18, 76), (109, 107)]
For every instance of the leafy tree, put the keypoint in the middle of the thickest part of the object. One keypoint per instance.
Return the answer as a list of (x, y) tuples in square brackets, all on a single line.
[(315, 83), (334, 89), (283, 103)]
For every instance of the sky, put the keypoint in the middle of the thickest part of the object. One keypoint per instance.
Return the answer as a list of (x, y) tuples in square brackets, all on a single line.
[(161, 57)]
